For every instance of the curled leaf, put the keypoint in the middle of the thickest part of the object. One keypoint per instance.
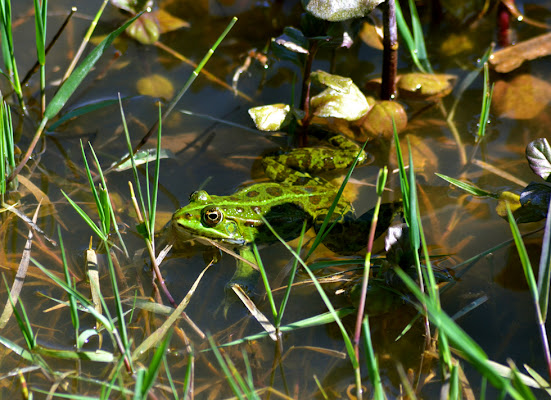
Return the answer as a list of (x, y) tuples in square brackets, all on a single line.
[(342, 98), (270, 118), (340, 10), (538, 154)]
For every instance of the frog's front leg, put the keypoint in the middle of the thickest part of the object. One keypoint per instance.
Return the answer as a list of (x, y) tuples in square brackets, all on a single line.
[(245, 276)]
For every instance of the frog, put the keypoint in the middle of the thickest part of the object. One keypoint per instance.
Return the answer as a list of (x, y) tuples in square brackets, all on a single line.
[(293, 196)]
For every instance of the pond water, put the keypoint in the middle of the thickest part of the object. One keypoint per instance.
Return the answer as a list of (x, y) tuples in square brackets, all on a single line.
[(220, 158)]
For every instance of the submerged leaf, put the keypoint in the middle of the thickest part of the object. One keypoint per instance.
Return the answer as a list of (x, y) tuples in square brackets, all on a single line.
[(155, 86), (340, 10), (523, 97), (538, 153), (270, 118), (342, 98)]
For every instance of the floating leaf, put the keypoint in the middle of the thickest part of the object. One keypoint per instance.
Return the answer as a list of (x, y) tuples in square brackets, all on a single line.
[(421, 86), (524, 97), (271, 117), (538, 153), (155, 86), (340, 10), (341, 99), (378, 121), (145, 29)]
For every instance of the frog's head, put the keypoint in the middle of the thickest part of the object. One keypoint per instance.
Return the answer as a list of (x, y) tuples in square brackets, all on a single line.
[(202, 218)]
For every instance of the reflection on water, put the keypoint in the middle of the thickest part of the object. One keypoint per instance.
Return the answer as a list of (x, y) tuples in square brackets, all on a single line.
[(220, 157)]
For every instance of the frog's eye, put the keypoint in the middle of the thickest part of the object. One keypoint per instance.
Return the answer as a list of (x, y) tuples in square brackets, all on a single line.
[(212, 216)]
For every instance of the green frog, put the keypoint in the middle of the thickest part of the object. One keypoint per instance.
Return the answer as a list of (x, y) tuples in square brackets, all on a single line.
[(292, 197)]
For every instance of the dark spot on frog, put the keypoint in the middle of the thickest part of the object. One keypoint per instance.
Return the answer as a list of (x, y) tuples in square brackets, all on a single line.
[(274, 191), (315, 200), (252, 193)]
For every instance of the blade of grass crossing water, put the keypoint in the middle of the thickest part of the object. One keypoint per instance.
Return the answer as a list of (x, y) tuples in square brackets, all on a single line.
[(292, 275), (532, 285), (72, 301)]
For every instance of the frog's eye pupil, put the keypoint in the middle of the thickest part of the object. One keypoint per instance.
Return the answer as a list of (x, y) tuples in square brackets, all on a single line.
[(212, 216)]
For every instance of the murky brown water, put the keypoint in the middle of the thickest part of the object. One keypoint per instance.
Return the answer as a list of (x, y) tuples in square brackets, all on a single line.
[(219, 158)]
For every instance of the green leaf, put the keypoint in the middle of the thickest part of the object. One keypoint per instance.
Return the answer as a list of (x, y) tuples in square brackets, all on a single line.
[(331, 10), (80, 72), (538, 153)]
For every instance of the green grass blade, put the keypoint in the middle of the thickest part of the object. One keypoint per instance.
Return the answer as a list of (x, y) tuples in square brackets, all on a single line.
[(231, 380), (408, 38), (523, 255), (72, 301), (486, 103), (420, 49), (545, 268), (80, 72), (265, 281), (85, 217), (155, 364), (371, 361), (468, 187)]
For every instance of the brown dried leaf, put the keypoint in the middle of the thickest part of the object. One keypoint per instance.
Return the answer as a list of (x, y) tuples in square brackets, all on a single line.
[(510, 58), (524, 97)]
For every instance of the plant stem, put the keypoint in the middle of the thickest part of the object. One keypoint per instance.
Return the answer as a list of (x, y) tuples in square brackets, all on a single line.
[(390, 50), (503, 25)]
